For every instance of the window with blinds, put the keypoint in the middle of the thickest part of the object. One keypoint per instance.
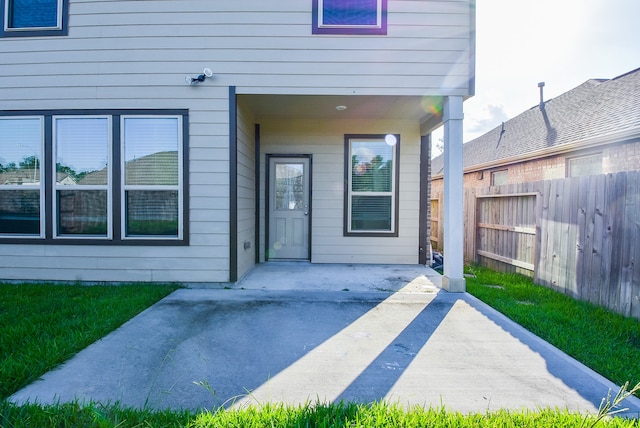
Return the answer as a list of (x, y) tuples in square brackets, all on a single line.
[(21, 195), (93, 176), (371, 174), (82, 147), (151, 203)]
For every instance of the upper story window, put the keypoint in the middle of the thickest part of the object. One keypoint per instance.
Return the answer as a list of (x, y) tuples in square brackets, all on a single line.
[(371, 175), (22, 18), (350, 17), (584, 165), (94, 177)]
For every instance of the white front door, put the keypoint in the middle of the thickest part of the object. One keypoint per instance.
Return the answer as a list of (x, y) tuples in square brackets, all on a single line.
[(289, 209)]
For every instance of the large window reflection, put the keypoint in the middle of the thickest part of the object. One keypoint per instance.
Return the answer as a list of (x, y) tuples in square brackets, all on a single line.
[(20, 176), (151, 176), (81, 153), (371, 196), (99, 175)]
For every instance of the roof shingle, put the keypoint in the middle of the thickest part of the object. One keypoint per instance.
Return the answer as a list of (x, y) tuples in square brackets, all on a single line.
[(596, 108)]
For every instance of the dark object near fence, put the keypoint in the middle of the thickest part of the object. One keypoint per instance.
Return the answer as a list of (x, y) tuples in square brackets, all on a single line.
[(438, 261)]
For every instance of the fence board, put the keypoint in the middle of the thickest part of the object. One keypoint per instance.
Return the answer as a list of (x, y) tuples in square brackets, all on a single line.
[(571, 283), (435, 224), (634, 219), (518, 229), (631, 210), (614, 229), (578, 235), (562, 257), (555, 239), (538, 240), (608, 215), (596, 253), (506, 260), (583, 239), (546, 252)]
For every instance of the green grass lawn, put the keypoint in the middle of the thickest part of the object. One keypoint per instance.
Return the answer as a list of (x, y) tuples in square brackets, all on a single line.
[(375, 415), (43, 325)]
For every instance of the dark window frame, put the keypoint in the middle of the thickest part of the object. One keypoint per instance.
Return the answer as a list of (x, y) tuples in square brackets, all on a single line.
[(393, 233), (61, 29), (117, 188), (319, 28)]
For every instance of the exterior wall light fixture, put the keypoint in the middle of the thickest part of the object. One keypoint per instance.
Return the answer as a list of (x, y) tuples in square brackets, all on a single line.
[(201, 78)]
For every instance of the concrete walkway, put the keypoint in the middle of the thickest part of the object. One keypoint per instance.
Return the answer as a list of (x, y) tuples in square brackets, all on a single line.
[(298, 333)]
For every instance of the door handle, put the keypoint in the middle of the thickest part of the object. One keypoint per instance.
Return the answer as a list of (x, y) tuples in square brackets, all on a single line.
[(306, 213)]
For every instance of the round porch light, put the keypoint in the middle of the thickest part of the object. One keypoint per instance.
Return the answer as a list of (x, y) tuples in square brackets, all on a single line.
[(341, 108), (390, 139)]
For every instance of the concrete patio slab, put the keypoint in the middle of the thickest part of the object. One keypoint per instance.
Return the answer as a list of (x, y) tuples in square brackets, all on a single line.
[(294, 334)]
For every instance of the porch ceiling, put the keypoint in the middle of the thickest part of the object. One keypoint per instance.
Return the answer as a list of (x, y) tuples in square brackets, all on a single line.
[(358, 106)]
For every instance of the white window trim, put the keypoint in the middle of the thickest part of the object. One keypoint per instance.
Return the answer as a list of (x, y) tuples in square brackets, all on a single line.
[(108, 187), (392, 193), (125, 187), (8, 29), (321, 23)]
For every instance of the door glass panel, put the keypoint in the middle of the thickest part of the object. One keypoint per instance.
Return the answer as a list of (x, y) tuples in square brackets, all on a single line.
[(289, 186)]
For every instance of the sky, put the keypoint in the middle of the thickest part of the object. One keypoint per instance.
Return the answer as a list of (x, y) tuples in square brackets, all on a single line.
[(563, 43)]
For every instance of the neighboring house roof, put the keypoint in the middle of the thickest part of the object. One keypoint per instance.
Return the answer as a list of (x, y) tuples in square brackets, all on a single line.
[(597, 112), (20, 176), (159, 168), (29, 176)]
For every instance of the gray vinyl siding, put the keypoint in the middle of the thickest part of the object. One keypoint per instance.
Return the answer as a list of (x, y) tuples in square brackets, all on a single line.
[(246, 190), (324, 140), (135, 54), (206, 259), (142, 50)]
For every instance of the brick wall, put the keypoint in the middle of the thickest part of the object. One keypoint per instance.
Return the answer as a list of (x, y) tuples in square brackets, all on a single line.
[(621, 157), (615, 158)]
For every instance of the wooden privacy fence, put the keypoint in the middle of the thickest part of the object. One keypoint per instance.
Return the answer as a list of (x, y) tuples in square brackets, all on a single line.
[(577, 235)]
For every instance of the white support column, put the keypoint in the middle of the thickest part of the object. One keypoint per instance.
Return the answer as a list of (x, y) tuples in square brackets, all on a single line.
[(453, 280)]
